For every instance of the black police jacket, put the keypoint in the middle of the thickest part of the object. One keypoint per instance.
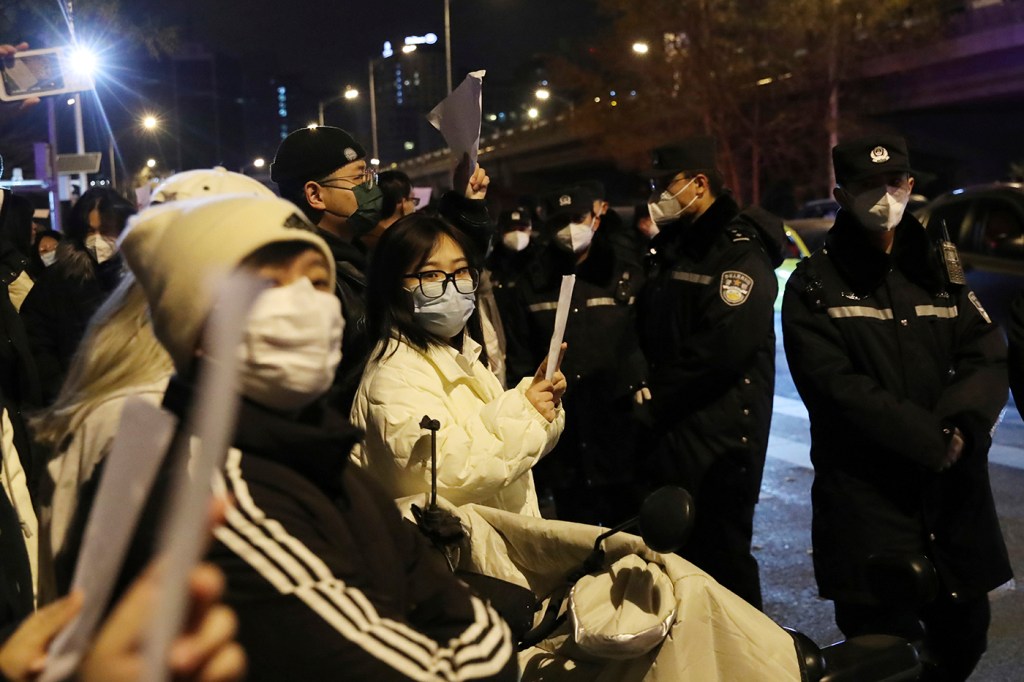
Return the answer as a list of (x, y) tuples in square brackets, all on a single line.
[(603, 364), (885, 355), (707, 329)]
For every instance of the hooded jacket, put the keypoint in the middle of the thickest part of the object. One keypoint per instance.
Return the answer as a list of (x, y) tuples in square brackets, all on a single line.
[(886, 354)]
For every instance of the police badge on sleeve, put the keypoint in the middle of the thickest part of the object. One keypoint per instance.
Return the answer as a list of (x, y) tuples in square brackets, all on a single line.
[(736, 287)]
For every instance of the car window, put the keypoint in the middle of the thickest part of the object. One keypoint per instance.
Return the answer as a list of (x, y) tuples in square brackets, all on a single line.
[(955, 214), (999, 229)]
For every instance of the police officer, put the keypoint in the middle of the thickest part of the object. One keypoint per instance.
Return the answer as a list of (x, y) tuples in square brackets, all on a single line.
[(591, 471), (707, 329), (903, 374)]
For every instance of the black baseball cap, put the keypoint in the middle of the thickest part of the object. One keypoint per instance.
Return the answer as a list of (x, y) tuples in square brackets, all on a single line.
[(313, 153)]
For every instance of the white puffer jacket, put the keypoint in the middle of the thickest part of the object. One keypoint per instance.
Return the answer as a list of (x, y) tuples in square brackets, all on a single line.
[(489, 438)]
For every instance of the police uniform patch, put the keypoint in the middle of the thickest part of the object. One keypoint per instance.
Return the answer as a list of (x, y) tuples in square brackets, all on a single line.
[(879, 155), (977, 304), (736, 287), (565, 200), (350, 154)]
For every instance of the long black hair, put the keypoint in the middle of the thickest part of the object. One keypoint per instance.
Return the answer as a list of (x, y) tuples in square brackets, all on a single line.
[(114, 213), (403, 248)]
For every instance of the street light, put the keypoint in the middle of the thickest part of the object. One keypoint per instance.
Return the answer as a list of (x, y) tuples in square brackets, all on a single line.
[(259, 163), (532, 112), (149, 123), (544, 94), (349, 93), (640, 47), (151, 163)]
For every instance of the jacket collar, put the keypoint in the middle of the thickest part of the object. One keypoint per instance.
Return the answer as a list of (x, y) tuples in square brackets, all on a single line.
[(315, 445), (343, 251), (694, 239), (864, 267)]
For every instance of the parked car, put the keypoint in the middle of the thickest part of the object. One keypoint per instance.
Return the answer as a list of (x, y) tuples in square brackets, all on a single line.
[(986, 222), (796, 250)]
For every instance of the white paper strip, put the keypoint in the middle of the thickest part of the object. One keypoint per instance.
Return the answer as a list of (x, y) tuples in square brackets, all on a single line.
[(561, 317), (212, 418), (131, 467)]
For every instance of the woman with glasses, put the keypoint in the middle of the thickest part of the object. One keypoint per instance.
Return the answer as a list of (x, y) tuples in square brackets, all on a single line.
[(421, 293)]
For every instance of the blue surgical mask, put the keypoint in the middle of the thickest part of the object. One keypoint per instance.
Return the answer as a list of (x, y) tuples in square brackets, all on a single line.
[(446, 315)]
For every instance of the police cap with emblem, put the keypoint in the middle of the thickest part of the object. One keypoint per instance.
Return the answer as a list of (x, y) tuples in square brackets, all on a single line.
[(695, 153), (863, 157), (516, 219), (571, 201), (313, 153)]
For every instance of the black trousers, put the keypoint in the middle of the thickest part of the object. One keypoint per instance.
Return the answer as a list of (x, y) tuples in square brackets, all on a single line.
[(719, 544), (950, 635)]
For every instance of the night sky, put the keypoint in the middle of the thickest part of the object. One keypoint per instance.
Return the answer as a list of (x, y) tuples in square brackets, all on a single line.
[(331, 41)]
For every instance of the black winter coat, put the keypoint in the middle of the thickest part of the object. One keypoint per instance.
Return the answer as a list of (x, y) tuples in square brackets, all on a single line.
[(57, 310), (327, 580), (707, 329), (1015, 336), (885, 355), (603, 364)]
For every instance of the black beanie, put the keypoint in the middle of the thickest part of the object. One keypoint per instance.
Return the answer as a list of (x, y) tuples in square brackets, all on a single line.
[(313, 153)]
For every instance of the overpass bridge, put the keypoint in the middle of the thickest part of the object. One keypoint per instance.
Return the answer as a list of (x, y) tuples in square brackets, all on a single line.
[(959, 101)]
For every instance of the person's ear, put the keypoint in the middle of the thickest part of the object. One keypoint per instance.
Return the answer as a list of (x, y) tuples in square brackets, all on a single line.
[(910, 183), (313, 196)]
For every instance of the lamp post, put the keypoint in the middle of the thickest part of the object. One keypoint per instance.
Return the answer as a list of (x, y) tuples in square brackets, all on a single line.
[(448, 43), (373, 110), (149, 123), (349, 93)]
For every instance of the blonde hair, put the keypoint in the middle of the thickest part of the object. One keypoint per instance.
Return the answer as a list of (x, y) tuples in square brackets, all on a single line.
[(118, 351)]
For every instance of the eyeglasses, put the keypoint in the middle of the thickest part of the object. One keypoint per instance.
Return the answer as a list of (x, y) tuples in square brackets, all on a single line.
[(415, 200), (366, 177), (432, 283)]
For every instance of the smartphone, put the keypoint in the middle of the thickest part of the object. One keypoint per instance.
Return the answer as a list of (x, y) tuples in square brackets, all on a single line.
[(39, 73)]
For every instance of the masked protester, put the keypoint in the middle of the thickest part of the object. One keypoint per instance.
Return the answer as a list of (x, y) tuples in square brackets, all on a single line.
[(326, 579), (323, 171), (118, 358), (903, 374), (86, 269), (707, 330), (422, 294), (591, 473)]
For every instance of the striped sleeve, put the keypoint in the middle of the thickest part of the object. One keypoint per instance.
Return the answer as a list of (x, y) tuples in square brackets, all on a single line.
[(482, 650)]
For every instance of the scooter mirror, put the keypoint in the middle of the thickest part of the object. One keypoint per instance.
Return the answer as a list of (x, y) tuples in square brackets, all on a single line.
[(666, 518)]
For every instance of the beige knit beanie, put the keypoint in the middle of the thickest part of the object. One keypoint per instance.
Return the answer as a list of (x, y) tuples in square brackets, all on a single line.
[(176, 250)]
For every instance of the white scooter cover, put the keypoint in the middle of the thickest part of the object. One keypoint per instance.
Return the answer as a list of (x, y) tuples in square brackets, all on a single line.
[(704, 631)]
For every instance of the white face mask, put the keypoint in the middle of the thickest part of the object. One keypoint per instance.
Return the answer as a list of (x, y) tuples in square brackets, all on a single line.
[(665, 208), (575, 237), (446, 315), (48, 258), (102, 248), (881, 213), (292, 346), (516, 240)]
